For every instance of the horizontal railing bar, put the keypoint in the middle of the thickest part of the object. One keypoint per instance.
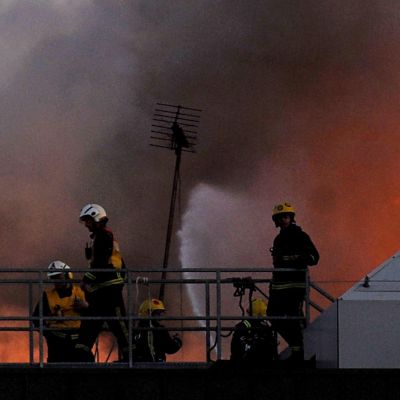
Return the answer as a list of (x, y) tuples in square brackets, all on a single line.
[(134, 318), (158, 269), (149, 281)]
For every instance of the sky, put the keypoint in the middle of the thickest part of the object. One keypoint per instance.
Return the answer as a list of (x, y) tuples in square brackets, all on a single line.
[(299, 100)]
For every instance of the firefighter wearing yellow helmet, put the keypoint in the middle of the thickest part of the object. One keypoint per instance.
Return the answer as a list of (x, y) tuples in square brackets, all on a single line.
[(258, 308), (292, 249), (148, 307), (281, 210), (152, 341), (253, 341)]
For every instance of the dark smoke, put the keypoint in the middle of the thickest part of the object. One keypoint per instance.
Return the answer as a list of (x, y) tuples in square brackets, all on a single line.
[(299, 103)]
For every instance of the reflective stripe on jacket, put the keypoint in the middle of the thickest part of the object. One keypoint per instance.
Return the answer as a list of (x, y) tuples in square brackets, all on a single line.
[(292, 249)]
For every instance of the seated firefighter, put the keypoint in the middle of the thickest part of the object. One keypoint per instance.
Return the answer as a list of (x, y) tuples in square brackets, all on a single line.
[(154, 343), (253, 340), (65, 299)]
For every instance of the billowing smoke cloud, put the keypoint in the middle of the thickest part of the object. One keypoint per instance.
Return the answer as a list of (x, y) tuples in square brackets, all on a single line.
[(299, 103), (309, 115)]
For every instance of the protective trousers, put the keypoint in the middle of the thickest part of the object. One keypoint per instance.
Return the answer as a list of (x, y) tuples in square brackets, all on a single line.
[(61, 347), (288, 303), (105, 302)]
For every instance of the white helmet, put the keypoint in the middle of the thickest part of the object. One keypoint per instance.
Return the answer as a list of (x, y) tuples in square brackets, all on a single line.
[(57, 268), (94, 211)]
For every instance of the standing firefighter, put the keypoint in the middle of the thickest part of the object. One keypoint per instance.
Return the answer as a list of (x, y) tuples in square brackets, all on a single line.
[(103, 288), (253, 341), (64, 300), (292, 249), (153, 342)]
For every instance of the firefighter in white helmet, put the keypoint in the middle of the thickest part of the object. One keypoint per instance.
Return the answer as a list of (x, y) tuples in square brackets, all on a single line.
[(292, 249), (253, 341), (103, 288), (65, 300), (153, 342)]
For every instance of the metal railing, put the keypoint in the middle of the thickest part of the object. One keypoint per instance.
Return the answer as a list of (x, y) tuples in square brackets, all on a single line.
[(203, 304)]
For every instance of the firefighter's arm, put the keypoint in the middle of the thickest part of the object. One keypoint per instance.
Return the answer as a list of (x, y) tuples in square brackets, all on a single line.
[(310, 254), (102, 250), (172, 343)]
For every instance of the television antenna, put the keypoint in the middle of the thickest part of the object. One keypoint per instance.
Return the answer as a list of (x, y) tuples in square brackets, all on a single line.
[(174, 128)]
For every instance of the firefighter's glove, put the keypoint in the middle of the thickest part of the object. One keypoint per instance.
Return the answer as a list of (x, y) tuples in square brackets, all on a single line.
[(177, 339), (80, 304), (308, 259)]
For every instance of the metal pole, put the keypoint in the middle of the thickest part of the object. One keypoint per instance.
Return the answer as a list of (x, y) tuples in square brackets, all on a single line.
[(170, 221), (31, 327), (219, 315), (208, 336), (130, 322), (41, 327)]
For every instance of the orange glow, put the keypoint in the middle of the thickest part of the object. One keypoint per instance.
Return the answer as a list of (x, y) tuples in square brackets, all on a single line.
[(15, 346), (193, 348), (338, 166)]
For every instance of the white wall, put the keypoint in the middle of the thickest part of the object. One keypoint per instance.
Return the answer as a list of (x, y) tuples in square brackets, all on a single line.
[(369, 334)]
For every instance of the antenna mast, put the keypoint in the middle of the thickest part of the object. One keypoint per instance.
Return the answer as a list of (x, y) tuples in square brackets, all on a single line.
[(174, 129)]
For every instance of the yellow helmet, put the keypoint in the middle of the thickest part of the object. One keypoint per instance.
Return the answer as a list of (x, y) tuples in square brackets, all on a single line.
[(283, 209), (258, 308), (148, 306)]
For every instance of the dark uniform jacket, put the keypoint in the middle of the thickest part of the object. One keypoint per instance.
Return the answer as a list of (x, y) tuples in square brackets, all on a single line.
[(153, 344), (104, 285), (104, 253), (253, 341), (292, 248)]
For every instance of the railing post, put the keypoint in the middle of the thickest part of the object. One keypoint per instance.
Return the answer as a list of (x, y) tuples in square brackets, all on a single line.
[(208, 336), (31, 327), (218, 275), (129, 299), (307, 316), (41, 355)]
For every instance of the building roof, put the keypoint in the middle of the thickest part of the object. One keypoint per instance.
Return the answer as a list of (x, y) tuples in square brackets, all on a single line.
[(383, 283)]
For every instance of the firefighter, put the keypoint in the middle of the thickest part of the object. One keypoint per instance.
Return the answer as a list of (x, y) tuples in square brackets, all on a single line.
[(152, 345), (103, 288), (65, 299), (253, 341), (292, 248)]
